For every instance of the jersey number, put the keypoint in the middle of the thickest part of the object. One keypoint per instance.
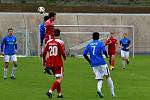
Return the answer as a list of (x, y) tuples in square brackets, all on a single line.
[(53, 50), (93, 49)]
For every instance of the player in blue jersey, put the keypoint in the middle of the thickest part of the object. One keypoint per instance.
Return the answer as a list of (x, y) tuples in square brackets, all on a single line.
[(125, 46), (8, 50), (42, 33), (96, 49)]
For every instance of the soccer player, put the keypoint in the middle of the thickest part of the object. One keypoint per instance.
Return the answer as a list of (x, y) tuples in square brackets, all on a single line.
[(49, 24), (56, 49), (9, 49), (95, 49), (125, 46), (111, 42), (42, 33)]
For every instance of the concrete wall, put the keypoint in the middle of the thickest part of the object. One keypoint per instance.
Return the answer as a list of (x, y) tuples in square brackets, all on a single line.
[(140, 22), (28, 23)]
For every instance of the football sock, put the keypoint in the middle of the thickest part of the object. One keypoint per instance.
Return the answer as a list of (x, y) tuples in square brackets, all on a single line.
[(111, 85), (59, 90), (113, 63), (5, 72), (13, 71), (99, 85), (109, 61), (54, 86)]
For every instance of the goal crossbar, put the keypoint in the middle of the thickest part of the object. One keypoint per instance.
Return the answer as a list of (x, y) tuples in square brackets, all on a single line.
[(109, 26), (84, 32), (119, 26)]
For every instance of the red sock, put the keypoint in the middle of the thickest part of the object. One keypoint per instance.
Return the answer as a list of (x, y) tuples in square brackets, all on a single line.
[(55, 85), (113, 63), (59, 89), (109, 60)]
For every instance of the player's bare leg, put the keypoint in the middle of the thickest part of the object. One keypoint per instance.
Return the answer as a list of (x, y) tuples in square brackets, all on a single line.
[(123, 63), (127, 60), (5, 70), (14, 70), (111, 85)]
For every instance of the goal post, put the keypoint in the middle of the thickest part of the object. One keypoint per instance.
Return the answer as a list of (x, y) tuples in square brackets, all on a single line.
[(77, 36)]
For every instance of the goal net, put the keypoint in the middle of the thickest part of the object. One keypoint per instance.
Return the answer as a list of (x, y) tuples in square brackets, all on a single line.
[(76, 37)]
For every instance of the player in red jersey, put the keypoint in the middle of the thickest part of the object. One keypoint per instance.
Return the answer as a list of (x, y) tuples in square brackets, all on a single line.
[(49, 24), (111, 42), (56, 49)]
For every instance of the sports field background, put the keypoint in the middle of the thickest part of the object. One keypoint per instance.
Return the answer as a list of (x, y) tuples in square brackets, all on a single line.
[(31, 83)]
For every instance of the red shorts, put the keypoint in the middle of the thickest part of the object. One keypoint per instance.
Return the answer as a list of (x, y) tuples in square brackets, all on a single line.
[(110, 53), (58, 71)]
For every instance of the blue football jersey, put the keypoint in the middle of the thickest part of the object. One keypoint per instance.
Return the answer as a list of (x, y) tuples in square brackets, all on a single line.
[(42, 32), (9, 45), (125, 42), (95, 49)]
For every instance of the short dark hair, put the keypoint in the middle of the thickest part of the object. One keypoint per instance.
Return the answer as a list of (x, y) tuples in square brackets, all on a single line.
[(51, 14), (10, 29), (95, 35), (46, 18), (57, 32)]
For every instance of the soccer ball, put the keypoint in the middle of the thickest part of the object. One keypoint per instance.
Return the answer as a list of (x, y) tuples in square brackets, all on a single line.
[(41, 10)]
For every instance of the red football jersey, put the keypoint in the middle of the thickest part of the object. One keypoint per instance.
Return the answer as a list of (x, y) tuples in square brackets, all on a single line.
[(49, 24), (55, 49), (111, 42)]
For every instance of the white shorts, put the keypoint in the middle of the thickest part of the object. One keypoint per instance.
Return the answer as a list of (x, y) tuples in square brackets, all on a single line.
[(100, 71), (125, 54), (8, 58)]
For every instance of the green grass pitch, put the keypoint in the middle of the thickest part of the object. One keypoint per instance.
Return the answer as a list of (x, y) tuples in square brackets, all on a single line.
[(79, 83)]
